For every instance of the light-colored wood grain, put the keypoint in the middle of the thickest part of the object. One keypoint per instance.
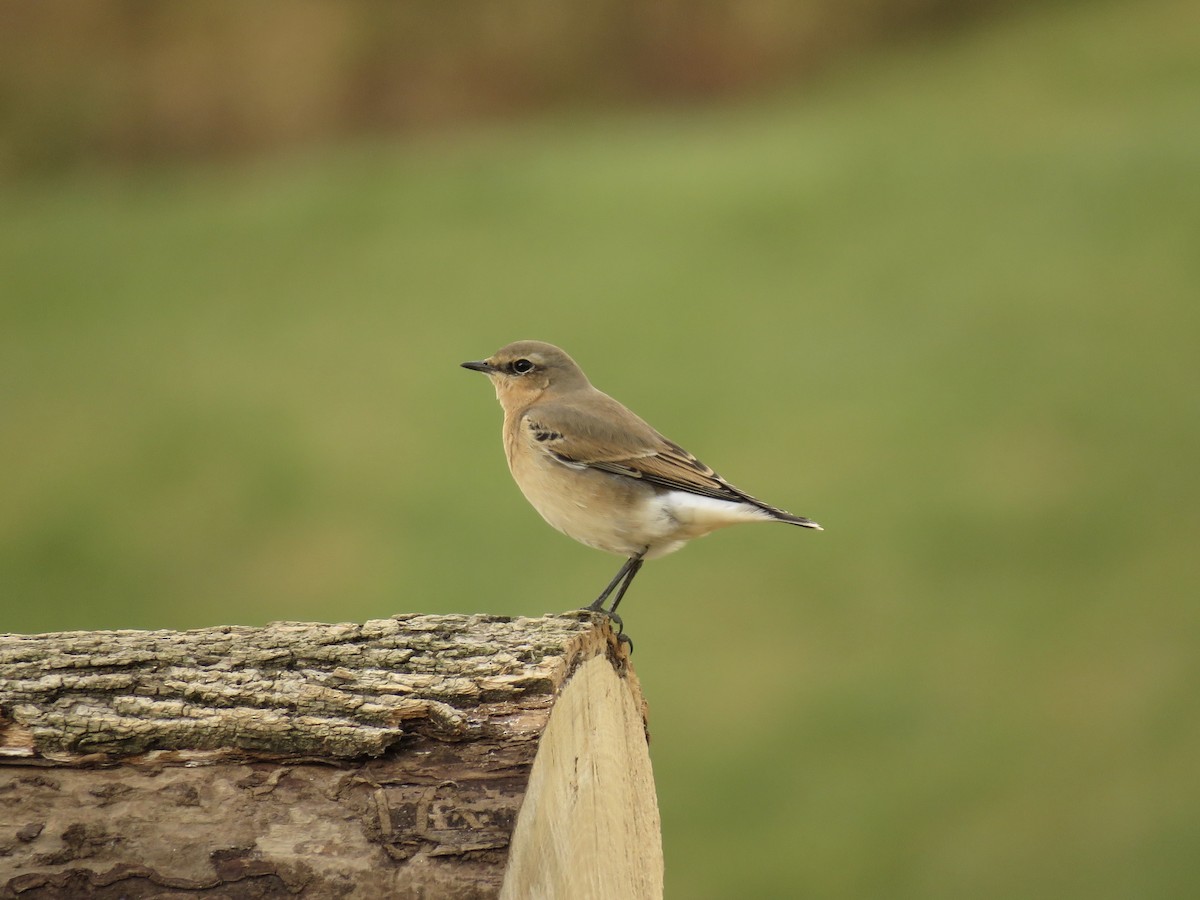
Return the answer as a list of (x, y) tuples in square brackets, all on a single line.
[(589, 828)]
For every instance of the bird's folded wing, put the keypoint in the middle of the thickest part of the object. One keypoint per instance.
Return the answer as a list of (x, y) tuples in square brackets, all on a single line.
[(608, 437)]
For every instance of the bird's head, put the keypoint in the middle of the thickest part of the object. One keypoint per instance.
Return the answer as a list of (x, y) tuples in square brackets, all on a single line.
[(524, 371)]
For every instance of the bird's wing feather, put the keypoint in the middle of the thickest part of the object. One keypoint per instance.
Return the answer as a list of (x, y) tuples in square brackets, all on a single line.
[(604, 435)]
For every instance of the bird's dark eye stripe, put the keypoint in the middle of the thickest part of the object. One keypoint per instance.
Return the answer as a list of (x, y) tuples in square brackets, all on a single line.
[(521, 366)]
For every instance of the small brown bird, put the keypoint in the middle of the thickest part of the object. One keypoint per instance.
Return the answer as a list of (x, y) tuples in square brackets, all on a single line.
[(602, 475)]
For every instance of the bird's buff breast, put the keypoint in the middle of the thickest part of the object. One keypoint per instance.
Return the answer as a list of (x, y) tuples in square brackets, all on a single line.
[(597, 509)]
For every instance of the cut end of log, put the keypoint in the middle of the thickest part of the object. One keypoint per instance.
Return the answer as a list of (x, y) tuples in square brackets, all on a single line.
[(589, 826)]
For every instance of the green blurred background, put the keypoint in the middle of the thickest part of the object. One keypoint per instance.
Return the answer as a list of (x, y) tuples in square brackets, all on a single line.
[(927, 272)]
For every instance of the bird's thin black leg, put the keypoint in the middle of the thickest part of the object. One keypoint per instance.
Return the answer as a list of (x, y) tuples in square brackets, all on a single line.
[(634, 568), (611, 612), (624, 578), (598, 603)]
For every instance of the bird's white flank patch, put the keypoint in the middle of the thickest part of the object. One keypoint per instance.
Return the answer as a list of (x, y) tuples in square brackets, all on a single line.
[(709, 512)]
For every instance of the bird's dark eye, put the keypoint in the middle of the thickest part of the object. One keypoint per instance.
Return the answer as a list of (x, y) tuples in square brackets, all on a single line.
[(521, 366)]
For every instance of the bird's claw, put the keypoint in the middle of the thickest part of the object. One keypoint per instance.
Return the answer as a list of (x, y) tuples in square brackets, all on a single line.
[(615, 619), (608, 614)]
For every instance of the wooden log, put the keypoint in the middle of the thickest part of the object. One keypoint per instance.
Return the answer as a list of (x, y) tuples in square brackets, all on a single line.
[(415, 756)]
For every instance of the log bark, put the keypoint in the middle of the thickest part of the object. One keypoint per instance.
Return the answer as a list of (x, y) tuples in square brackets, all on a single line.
[(386, 759)]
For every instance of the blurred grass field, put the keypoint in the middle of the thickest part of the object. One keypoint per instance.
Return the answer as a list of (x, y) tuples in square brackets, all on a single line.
[(944, 302)]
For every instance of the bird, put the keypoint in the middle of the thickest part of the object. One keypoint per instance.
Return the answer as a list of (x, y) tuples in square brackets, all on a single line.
[(601, 474)]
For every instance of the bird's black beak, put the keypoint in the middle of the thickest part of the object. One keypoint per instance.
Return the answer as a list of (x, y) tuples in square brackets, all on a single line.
[(480, 365)]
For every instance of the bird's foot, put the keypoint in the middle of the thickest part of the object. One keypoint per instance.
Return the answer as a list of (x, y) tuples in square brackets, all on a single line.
[(608, 614), (616, 620)]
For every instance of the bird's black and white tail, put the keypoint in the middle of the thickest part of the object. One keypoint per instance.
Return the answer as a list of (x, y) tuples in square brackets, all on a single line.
[(779, 515)]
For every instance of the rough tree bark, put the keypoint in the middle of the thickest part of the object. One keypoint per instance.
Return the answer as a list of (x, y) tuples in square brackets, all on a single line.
[(416, 756)]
